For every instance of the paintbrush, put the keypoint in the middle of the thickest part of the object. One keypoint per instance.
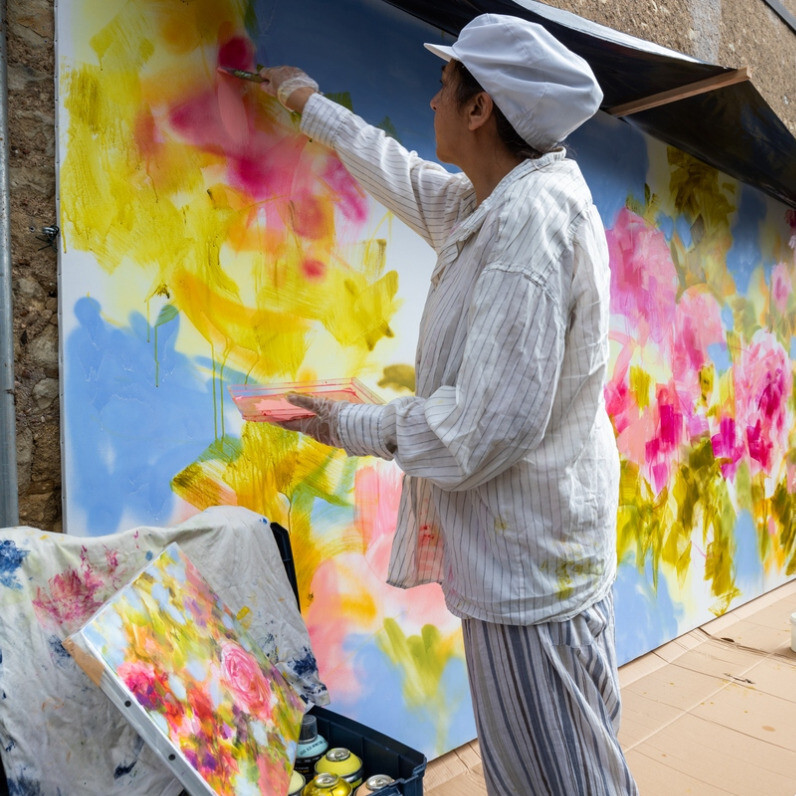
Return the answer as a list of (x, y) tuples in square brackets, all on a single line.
[(255, 77)]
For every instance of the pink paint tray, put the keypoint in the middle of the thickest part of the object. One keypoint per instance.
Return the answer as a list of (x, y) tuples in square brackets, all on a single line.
[(269, 402)]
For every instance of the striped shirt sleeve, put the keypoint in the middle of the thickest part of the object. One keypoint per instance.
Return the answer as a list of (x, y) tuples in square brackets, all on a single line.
[(422, 194)]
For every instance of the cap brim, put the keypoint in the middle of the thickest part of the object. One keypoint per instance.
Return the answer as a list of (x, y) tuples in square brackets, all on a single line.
[(446, 53)]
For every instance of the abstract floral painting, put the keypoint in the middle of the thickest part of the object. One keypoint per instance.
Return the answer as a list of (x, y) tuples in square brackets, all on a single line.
[(206, 242), (172, 645), (701, 391)]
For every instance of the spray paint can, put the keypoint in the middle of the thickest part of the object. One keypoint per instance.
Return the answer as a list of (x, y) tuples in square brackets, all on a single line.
[(297, 783), (373, 784), (344, 763), (327, 784), (311, 747)]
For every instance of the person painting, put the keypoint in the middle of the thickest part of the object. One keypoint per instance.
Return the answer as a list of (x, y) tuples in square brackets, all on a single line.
[(511, 468)]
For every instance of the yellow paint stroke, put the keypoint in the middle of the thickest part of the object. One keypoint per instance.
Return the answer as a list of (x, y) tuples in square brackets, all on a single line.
[(259, 276), (695, 192), (251, 274), (279, 474), (642, 385), (421, 660)]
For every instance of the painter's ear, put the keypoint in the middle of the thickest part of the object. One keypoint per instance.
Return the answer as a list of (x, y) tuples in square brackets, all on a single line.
[(480, 110)]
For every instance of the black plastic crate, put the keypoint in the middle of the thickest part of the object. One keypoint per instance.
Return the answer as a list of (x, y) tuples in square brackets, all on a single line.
[(380, 754)]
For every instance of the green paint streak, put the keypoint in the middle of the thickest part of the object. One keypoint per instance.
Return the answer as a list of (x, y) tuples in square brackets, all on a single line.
[(646, 207), (421, 660), (168, 313), (697, 194), (567, 571), (642, 519), (783, 508), (387, 125), (398, 377), (661, 527), (250, 19)]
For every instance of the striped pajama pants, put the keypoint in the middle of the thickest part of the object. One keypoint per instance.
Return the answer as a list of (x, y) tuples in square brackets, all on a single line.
[(546, 702)]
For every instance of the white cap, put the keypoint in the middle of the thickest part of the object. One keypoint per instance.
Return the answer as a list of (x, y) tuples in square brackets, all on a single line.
[(542, 88)]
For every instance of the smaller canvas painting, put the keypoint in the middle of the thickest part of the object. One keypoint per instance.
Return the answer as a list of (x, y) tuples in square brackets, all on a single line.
[(198, 690)]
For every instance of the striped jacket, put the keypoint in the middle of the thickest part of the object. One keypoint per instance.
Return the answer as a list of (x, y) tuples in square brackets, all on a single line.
[(511, 467)]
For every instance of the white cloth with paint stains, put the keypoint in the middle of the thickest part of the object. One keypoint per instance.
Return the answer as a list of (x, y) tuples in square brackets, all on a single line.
[(59, 734), (512, 471)]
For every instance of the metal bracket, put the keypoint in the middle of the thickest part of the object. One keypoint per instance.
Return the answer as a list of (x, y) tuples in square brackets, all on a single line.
[(48, 236)]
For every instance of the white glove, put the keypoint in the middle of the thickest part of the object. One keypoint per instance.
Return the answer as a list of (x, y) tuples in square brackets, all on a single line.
[(323, 426), (282, 81)]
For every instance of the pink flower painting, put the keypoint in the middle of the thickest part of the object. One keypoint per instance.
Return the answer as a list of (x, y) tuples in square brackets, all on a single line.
[(201, 680)]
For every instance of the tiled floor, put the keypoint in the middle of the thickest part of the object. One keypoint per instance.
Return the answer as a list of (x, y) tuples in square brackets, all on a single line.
[(711, 713)]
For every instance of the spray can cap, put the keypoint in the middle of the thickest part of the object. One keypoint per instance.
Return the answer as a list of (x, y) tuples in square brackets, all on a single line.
[(309, 728), (378, 781)]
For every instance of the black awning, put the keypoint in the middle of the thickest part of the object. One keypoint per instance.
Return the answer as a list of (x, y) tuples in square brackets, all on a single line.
[(730, 127)]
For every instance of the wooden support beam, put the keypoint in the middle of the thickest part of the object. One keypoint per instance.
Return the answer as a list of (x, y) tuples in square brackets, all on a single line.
[(676, 94)]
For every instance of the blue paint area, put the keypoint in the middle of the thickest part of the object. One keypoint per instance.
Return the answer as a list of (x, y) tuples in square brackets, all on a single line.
[(727, 318), (684, 231), (22, 786), (381, 704), (749, 572), (719, 355), (126, 436), (612, 172), (338, 39), (669, 226), (123, 769), (11, 558), (462, 721), (58, 653), (665, 224), (645, 618), (744, 254), (792, 351), (149, 555), (328, 517), (306, 665)]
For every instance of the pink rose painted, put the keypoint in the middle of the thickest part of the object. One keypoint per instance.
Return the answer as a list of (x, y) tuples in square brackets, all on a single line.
[(242, 674)]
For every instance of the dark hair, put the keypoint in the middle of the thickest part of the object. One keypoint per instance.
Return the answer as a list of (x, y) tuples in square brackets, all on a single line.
[(466, 88)]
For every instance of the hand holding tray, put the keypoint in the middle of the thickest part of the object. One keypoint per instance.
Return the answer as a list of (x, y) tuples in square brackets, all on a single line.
[(265, 403)]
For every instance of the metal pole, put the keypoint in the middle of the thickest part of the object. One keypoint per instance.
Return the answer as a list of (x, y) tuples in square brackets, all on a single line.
[(9, 497)]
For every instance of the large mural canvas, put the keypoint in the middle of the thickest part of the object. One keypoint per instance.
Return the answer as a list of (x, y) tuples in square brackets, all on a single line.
[(207, 243)]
